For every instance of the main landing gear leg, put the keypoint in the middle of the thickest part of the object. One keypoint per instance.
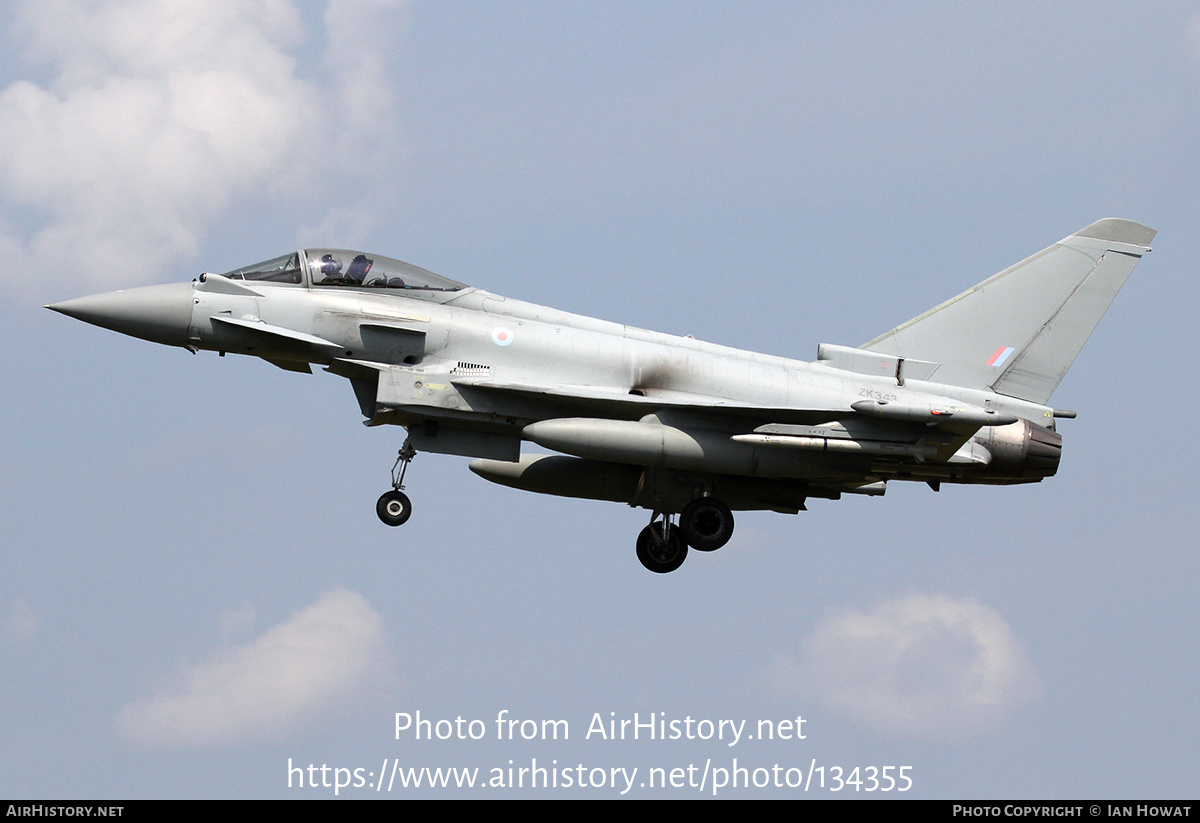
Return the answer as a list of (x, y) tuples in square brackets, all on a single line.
[(394, 508), (661, 546)]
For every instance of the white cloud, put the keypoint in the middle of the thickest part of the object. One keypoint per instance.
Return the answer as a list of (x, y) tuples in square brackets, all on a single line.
[(161, 115), (291, 672), (922, 665), (361, 34)]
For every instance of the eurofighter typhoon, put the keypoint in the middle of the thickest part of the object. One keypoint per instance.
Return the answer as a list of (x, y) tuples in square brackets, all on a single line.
[(690, 430)]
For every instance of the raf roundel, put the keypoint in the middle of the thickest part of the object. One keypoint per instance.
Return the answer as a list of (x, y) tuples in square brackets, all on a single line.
[(501, 336)]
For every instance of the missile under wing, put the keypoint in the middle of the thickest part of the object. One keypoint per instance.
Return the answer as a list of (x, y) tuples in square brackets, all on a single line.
[(689, 430)]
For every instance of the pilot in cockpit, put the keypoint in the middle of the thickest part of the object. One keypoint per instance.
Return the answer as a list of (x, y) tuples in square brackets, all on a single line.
[(330, 267), (360, 266)]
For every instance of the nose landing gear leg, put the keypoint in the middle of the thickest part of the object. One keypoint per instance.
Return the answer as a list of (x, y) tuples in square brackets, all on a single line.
[(394, 508)]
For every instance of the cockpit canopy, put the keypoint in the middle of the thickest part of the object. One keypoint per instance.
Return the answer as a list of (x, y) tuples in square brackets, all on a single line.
[(340, 267), (284, 269)]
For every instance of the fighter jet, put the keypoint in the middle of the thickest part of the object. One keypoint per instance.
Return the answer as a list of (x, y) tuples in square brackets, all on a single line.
[(687, 429)]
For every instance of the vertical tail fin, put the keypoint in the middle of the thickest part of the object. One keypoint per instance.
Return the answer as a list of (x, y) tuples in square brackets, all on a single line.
[(1018, 332)]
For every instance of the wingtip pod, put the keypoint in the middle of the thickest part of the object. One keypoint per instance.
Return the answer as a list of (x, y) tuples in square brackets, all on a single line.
[(1118, 230)]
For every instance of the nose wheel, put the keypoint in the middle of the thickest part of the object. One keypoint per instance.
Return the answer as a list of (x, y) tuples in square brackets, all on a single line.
[(394, 508)]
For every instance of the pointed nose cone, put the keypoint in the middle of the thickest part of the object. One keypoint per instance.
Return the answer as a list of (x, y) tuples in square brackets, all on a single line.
[(160, 314)]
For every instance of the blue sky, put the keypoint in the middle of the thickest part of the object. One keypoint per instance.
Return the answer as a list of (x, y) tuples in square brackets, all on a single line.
[(194, 588)]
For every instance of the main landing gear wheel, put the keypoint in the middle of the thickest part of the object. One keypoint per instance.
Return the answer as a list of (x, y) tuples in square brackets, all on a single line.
[(706, 524), (658, 553), (394, 507)]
